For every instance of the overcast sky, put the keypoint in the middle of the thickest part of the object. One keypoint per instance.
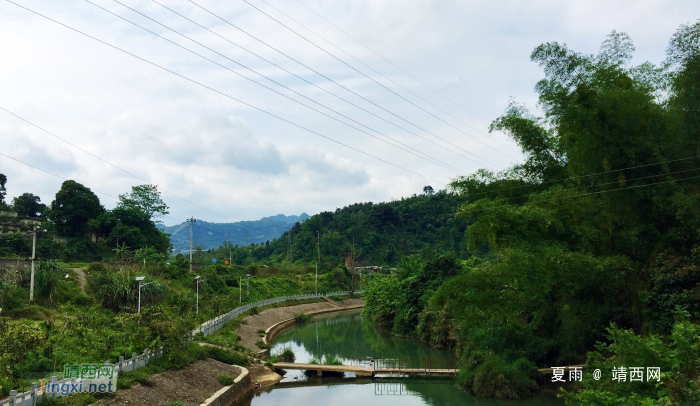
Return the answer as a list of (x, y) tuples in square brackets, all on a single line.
[(228, 161)]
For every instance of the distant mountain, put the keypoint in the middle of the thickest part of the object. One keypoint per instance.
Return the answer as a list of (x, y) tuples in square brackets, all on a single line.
[(213, 235)]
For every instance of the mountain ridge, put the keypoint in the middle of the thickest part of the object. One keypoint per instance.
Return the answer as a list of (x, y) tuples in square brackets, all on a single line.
[(210, 235)]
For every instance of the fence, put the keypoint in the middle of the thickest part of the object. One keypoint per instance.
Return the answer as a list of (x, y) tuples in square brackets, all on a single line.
[(140, 360), (123, 365), (215, 324)]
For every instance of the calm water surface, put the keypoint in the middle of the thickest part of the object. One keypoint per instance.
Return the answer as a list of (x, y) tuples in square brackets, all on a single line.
[(353, 339)]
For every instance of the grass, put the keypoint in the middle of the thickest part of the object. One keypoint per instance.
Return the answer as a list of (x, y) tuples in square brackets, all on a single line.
[(287, 355), (302, 318), (326, 361), (225, 380), (80, 399)]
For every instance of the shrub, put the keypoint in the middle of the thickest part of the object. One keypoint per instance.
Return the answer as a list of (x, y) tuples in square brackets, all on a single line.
[(302, 318), (262, 345), (225, 380), (287, 355), (227, 356)]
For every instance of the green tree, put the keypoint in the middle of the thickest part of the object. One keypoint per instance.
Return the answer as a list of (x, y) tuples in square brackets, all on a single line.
[(75, 205), (145, 198), (131, 226), (28, 205)]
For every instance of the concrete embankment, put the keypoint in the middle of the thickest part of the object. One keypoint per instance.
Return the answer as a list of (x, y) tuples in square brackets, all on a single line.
[(275, 320)]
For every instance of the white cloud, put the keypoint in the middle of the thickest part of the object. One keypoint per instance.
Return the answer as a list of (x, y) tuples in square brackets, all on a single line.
[(243, 164)]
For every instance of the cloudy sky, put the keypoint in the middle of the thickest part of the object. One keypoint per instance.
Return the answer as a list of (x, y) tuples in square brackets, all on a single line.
[(198, 126)]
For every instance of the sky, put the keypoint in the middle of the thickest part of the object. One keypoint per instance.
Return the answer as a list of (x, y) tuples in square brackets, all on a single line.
[(397, 94)]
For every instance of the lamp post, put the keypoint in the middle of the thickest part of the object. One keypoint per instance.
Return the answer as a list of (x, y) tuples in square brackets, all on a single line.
[(140, 280), (196, 278), (31, 283)]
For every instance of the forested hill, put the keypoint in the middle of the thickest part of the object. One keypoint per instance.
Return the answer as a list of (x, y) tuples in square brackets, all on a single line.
[(212, 235), (382, 233)]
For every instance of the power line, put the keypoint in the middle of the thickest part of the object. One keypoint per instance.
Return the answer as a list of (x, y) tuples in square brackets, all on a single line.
[(302, 78), (369, 67), (331, 80), (223, 94), (585, 194), (614, 182), (431, 159), (103, 160), (393, 64), (368, 77), (587, 175)]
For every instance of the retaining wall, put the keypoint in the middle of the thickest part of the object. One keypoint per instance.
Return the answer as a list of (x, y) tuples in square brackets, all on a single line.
[(229, 394)]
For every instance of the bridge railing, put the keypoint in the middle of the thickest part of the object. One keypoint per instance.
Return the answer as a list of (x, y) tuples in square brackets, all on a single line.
[(399, 364)]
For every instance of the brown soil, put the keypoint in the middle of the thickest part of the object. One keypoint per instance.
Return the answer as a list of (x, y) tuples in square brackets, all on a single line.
[(191, 385), (82, 278), (265, 319)]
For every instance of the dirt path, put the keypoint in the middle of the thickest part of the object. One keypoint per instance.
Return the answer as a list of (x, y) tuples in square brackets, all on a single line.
[(249, 330), (191, 385), (82, 278)]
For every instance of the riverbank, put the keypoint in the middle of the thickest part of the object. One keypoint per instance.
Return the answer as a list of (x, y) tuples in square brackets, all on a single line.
[(193, 384), (250, 328)]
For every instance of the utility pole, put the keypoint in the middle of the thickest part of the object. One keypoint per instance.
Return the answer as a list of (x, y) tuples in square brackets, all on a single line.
[(191, 220), (197, 281), (318, 250), (352, 271), (31, 286)]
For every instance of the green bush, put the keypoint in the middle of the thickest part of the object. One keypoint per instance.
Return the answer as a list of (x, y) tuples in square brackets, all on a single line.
[(287, 355), (227, 356), (302, 318), (225, 380)]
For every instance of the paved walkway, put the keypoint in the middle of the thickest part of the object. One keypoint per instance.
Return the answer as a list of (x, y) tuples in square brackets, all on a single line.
[(267, 318), (365, 371)]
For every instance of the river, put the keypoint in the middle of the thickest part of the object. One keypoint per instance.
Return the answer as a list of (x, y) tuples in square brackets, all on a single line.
[(353, 339)]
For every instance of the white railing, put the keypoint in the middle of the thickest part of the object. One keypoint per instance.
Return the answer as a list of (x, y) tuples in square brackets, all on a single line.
[(141, 360), (215, 324)]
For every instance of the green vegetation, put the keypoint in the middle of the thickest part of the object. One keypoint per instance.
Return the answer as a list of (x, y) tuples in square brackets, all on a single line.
[(286, 355), (76, 227), (382, 234), (302, 318), (588, 251), (225, 380)]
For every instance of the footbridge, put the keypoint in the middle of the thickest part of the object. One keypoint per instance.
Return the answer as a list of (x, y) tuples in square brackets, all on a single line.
[(364, 371)]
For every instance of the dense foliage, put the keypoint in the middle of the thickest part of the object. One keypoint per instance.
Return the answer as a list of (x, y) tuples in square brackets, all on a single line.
[(377, 234), (597, 231), (76, 227)]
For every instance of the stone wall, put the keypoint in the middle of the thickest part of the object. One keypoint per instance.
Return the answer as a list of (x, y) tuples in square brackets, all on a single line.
[(230, 394)]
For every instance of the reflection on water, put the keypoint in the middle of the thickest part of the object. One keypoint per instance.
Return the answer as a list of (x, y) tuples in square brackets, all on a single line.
[(352, 338)]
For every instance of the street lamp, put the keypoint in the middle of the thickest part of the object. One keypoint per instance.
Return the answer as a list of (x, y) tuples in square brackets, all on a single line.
[(196, 278), (140, 280), (31, 283)]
